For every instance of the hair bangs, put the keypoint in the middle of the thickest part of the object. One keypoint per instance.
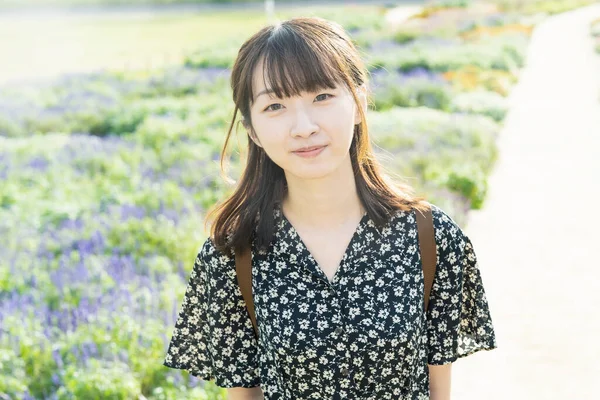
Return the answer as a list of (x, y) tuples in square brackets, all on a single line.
[(303, 66)]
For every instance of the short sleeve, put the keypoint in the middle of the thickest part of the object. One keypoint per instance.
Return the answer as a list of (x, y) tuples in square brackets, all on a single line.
[(213, 338), (458, 318)]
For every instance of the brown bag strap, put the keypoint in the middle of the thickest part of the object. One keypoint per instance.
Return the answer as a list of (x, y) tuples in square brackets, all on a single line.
[(243, 264), (243, 268), (428, 250)]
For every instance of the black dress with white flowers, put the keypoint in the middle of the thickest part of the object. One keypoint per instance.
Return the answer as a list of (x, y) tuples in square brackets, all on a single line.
[(364, 335)]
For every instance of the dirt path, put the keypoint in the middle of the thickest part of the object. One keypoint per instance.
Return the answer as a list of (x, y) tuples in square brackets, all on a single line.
[(537, 239)]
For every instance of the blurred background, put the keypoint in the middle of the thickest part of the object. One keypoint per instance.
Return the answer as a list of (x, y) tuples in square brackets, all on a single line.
[(112, 118)]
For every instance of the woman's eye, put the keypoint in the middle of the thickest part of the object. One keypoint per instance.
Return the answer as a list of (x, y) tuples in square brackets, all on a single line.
[(325, 94), (268, 108), (277, 104)]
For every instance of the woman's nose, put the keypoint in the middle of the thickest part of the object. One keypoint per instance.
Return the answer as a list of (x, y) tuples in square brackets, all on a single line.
[(303, 123)]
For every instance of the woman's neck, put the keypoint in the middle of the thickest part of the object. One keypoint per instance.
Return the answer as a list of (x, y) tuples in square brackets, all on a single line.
[(326, 203)]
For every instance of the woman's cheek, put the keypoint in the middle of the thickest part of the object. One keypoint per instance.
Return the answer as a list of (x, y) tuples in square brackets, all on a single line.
[(276, 153)]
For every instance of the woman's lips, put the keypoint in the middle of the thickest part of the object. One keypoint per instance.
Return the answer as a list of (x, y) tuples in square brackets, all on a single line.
[(311, 153)]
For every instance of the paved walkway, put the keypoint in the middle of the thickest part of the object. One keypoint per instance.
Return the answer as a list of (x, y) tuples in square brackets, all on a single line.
[(538, 238)]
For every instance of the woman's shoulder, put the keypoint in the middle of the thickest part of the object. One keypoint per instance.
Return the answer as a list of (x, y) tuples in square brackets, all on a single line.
[(210, 255), (447, 230), (441, 218), (445, 227)]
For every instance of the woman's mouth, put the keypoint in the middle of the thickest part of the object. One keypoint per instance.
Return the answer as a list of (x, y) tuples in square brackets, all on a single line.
[(310, 153)]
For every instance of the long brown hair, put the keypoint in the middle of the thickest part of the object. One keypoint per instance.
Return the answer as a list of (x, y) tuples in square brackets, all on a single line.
[(300, 54)]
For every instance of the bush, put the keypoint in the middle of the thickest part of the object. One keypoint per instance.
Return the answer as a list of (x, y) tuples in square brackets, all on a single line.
[(12, 369), (451, 3), (99, 380), (541, 6), (406, 35), (452, 151), (353, 18), (10, 127), (221, 56), (505, 53), (472, 78), (481, 102), (414, 89)]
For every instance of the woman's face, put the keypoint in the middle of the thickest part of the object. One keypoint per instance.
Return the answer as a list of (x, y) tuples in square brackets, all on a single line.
[(323, 118)]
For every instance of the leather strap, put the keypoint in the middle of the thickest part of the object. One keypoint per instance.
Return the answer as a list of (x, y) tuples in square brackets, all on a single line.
[(243, 264), (428, 251), (243, 268)]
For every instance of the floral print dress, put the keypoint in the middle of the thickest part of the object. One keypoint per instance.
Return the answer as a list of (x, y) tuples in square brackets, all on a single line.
[(362, 335)]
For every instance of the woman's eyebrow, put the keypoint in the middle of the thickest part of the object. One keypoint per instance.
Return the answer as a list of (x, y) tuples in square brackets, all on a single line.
[(266, 91), (269, 91)]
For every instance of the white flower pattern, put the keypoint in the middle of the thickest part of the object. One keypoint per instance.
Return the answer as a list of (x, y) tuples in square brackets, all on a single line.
[(362, 336)]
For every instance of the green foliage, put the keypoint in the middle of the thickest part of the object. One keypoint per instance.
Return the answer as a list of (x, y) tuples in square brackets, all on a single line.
[(406, 35), (439, 147), (468, 180), (541, 6), (450, 3), (351, 17), (147, 236), (31, 358), (99, 380), (363, 38), (414, 93), (481, 102), (12, 370), (505, 53), (221, 56), (53, 3), (11, 128)]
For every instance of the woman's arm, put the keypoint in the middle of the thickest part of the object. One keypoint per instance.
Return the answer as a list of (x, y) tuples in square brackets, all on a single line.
[(439, 381), (240, 393)]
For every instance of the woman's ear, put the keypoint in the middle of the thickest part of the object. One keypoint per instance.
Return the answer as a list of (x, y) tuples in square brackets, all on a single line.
[(251, 133), (361, 91), (255, 139), (245, 124)]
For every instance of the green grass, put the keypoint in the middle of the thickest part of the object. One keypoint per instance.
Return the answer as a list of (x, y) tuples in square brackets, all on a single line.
[(45, 47), (54, 3)]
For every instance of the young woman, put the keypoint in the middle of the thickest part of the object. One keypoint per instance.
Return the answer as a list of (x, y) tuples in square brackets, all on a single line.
[(337, 279)]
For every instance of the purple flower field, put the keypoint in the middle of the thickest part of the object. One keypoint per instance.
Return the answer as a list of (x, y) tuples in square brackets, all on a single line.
[(98, 234)]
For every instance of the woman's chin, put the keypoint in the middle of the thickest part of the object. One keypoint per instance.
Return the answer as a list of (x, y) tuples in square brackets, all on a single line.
[(316, 171)]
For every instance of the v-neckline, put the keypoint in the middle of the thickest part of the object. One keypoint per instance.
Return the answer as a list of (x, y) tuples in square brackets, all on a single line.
[(313, 260)]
